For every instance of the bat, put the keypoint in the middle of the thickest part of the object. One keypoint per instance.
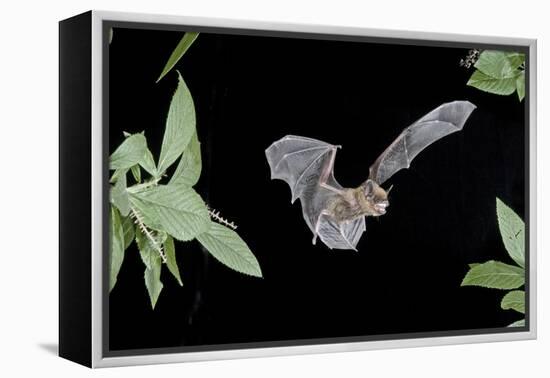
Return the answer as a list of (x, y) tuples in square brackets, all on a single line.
[(336, 214)]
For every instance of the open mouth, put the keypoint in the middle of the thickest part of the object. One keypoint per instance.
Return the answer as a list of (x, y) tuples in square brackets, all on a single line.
[(381, 207)]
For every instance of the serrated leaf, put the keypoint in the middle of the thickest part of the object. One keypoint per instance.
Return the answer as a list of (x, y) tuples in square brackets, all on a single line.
[(520, 85), (152, 280), (129, 153), (144, 248), (180, 126), (118, 174), (119, 196), (181, 48), (493, 85), (229, 249), (499, 64), (136, 172), (176, 209), (129, 233), (516, 59), (512, 231), (496, 275), (149, 242), (148, 163), (519, 323), (514, 300), (189, 167), (472, 265), (171, 262), (150, 245), (116, 255)]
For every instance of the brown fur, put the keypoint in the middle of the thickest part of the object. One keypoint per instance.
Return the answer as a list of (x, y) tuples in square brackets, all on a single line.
[(354, 203)]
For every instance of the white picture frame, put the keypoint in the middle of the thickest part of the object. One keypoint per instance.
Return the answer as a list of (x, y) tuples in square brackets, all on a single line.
[(97, 355)]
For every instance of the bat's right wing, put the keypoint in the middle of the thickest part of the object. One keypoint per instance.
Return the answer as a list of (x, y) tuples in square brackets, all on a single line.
[(444, 120)]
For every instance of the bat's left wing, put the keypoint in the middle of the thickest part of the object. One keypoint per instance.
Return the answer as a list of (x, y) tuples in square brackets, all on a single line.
[(301, 162), (444, 120), (341, 236), (304, 164)]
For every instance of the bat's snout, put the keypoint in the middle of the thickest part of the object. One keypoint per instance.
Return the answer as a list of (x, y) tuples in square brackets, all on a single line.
[(381, 206)]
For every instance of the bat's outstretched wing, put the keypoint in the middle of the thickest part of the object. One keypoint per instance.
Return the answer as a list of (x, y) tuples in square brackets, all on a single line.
[(444, 120), (305, 164), (300, 161), (343, 236)]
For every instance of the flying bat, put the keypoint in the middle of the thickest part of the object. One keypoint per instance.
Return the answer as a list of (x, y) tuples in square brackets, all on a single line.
[(336, 214)]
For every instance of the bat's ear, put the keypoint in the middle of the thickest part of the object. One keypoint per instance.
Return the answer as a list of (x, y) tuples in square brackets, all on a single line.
[(368, 187)]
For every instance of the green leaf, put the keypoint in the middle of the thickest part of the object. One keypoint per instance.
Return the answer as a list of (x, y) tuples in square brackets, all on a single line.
[(229, 249), (119, 196), (189, 168), (499, 64), (177, 209), (472, 265), (514, 300), (152, 280), (496, 275), (493, 85), (129, 233), (129, 153), (136, 172), (512, 231), (178, 52), (516, 59), (149, 243), (116, 255), (171, 263), (519, 323), (520, 85), (148, 163), (180, 126), (118, 174)]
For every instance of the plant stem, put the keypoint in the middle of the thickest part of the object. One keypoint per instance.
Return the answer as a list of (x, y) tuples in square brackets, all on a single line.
[(139, 187)]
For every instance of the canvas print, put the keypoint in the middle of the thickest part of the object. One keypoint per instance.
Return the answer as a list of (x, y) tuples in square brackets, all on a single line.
[(271, 189)]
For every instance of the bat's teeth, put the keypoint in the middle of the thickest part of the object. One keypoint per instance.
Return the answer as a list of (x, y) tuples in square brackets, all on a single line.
[(381, 207)]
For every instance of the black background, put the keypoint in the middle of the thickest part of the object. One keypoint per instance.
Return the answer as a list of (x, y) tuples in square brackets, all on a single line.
[(250, 91)]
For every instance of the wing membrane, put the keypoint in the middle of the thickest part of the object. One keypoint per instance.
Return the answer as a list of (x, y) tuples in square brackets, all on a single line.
[(440, 122), (303, 163), (298, 161)]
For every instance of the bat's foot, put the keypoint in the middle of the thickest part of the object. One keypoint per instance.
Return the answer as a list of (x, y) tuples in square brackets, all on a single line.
[(314, 241)]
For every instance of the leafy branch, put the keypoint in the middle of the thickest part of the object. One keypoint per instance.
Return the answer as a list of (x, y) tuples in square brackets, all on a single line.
[(498, 275), (497, 72), (156, 214)]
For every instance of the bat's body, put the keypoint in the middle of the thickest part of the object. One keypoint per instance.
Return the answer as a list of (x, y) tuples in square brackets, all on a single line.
[(351, 204), (335, 214)]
